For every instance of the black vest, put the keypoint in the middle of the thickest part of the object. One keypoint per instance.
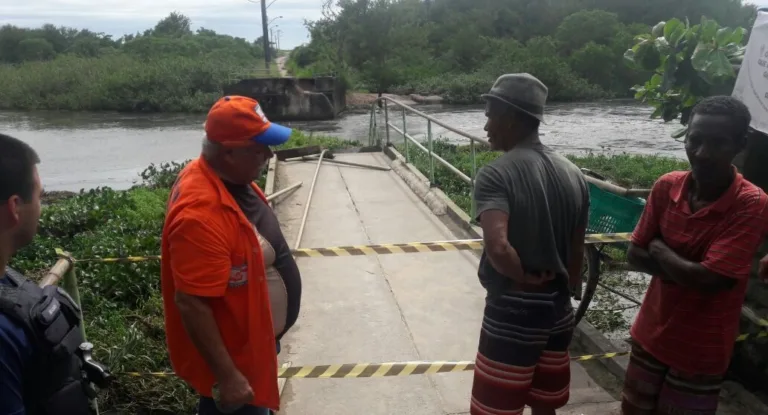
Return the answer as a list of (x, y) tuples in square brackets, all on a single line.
[(50, 319)]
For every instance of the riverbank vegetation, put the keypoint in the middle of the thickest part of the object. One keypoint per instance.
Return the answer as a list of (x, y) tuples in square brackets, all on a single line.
[(626, 170), (167, 68), (457, 48)]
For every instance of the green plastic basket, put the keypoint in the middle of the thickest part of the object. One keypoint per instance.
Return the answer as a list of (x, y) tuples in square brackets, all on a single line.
[(610, 213)]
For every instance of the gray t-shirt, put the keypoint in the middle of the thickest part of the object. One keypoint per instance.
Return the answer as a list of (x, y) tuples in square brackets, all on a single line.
[(547, 199)]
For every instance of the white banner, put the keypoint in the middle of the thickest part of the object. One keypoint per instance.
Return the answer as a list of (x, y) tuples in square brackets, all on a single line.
[(752, 82)]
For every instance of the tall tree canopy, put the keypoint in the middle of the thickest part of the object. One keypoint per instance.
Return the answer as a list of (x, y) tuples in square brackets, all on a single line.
[(446, 46)]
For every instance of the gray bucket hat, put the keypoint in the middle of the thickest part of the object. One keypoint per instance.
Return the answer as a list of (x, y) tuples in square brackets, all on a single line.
[(522, 91)]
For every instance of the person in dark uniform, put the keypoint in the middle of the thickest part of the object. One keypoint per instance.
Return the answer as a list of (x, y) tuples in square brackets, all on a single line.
[(40, 337)]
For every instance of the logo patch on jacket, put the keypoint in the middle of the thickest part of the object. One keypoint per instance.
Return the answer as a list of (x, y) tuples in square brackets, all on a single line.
[(238, 276)]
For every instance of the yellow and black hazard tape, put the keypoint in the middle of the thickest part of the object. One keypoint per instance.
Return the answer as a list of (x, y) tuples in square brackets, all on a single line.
[(355, 370), (382, 249), (371, 370), (396, 369), (386, 249), (376, 370), (746, 336)]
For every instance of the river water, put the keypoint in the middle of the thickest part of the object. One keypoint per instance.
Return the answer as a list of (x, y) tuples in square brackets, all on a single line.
[(86, 150)]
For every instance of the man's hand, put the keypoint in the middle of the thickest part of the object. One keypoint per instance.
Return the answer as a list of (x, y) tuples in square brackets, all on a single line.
[(501, 254), (656, 249), (234, 391), (540, 278), (762, 269)]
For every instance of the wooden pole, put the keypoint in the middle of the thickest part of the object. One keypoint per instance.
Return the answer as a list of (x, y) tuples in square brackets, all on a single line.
[(56, 273)]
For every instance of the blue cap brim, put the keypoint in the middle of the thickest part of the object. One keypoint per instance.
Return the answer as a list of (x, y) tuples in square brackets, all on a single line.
[(275, 135)]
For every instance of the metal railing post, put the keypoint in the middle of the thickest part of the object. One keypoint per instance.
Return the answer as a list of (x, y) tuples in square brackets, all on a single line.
[(474, 160), (431, 152), (472, 185), (430, 147), (370, 127), (386, 120), (405, 139), (376, 128)]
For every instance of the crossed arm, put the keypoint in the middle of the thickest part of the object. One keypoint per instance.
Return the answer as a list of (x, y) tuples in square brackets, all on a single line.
[(660, 260), (727, 260)]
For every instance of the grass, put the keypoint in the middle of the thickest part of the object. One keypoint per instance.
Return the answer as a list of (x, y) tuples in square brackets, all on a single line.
[(629, 170)]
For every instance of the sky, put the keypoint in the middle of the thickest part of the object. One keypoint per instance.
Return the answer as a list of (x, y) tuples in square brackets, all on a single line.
[(241, 18)]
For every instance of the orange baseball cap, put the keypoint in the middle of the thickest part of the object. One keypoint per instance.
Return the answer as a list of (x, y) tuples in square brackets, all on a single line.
[(236, 120)]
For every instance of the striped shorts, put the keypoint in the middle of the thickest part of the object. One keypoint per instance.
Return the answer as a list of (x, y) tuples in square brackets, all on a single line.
[(651, 387), (523, 354)]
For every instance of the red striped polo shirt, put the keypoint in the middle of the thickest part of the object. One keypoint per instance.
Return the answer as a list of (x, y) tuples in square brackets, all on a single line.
[(691, 331)]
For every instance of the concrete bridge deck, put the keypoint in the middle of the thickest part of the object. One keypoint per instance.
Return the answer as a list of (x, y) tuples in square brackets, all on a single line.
[(408, 307)]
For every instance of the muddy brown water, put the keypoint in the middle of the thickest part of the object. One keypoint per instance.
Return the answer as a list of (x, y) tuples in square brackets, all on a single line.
[(86, 150)]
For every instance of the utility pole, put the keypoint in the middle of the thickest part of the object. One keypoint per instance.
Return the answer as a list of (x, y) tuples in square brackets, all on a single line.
[(266, 33)]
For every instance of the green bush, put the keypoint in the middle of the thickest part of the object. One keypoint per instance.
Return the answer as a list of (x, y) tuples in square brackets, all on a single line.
[(538, 56), (168, 68), (117, 82)]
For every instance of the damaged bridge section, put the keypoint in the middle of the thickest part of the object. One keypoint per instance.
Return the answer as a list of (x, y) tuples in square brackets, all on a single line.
[(294, 99)]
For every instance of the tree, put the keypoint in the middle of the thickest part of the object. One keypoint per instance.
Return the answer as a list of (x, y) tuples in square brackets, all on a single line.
[(582, 61), (35, 49), (87, 47), (10, 37), (174, 25), (409, 45), (580, 28), (688, 63)]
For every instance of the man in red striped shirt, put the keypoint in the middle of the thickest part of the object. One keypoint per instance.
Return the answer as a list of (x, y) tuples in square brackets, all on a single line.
[(697, 236)]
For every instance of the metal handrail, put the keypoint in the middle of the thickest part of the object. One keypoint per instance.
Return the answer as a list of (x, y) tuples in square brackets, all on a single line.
[(373, 133), (473, 140), (431, 119)]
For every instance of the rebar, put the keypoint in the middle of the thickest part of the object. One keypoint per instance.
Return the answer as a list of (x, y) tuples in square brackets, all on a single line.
[(348, 163), (309, 201), (284, 191)]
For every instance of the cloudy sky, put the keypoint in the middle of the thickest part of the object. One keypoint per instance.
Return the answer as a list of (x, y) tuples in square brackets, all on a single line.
[(117, 17)]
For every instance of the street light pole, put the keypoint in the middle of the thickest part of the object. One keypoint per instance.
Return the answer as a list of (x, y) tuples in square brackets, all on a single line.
[(266, 33)]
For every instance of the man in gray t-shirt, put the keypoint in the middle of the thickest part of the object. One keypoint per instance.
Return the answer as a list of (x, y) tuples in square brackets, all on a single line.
[(533, 206)]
